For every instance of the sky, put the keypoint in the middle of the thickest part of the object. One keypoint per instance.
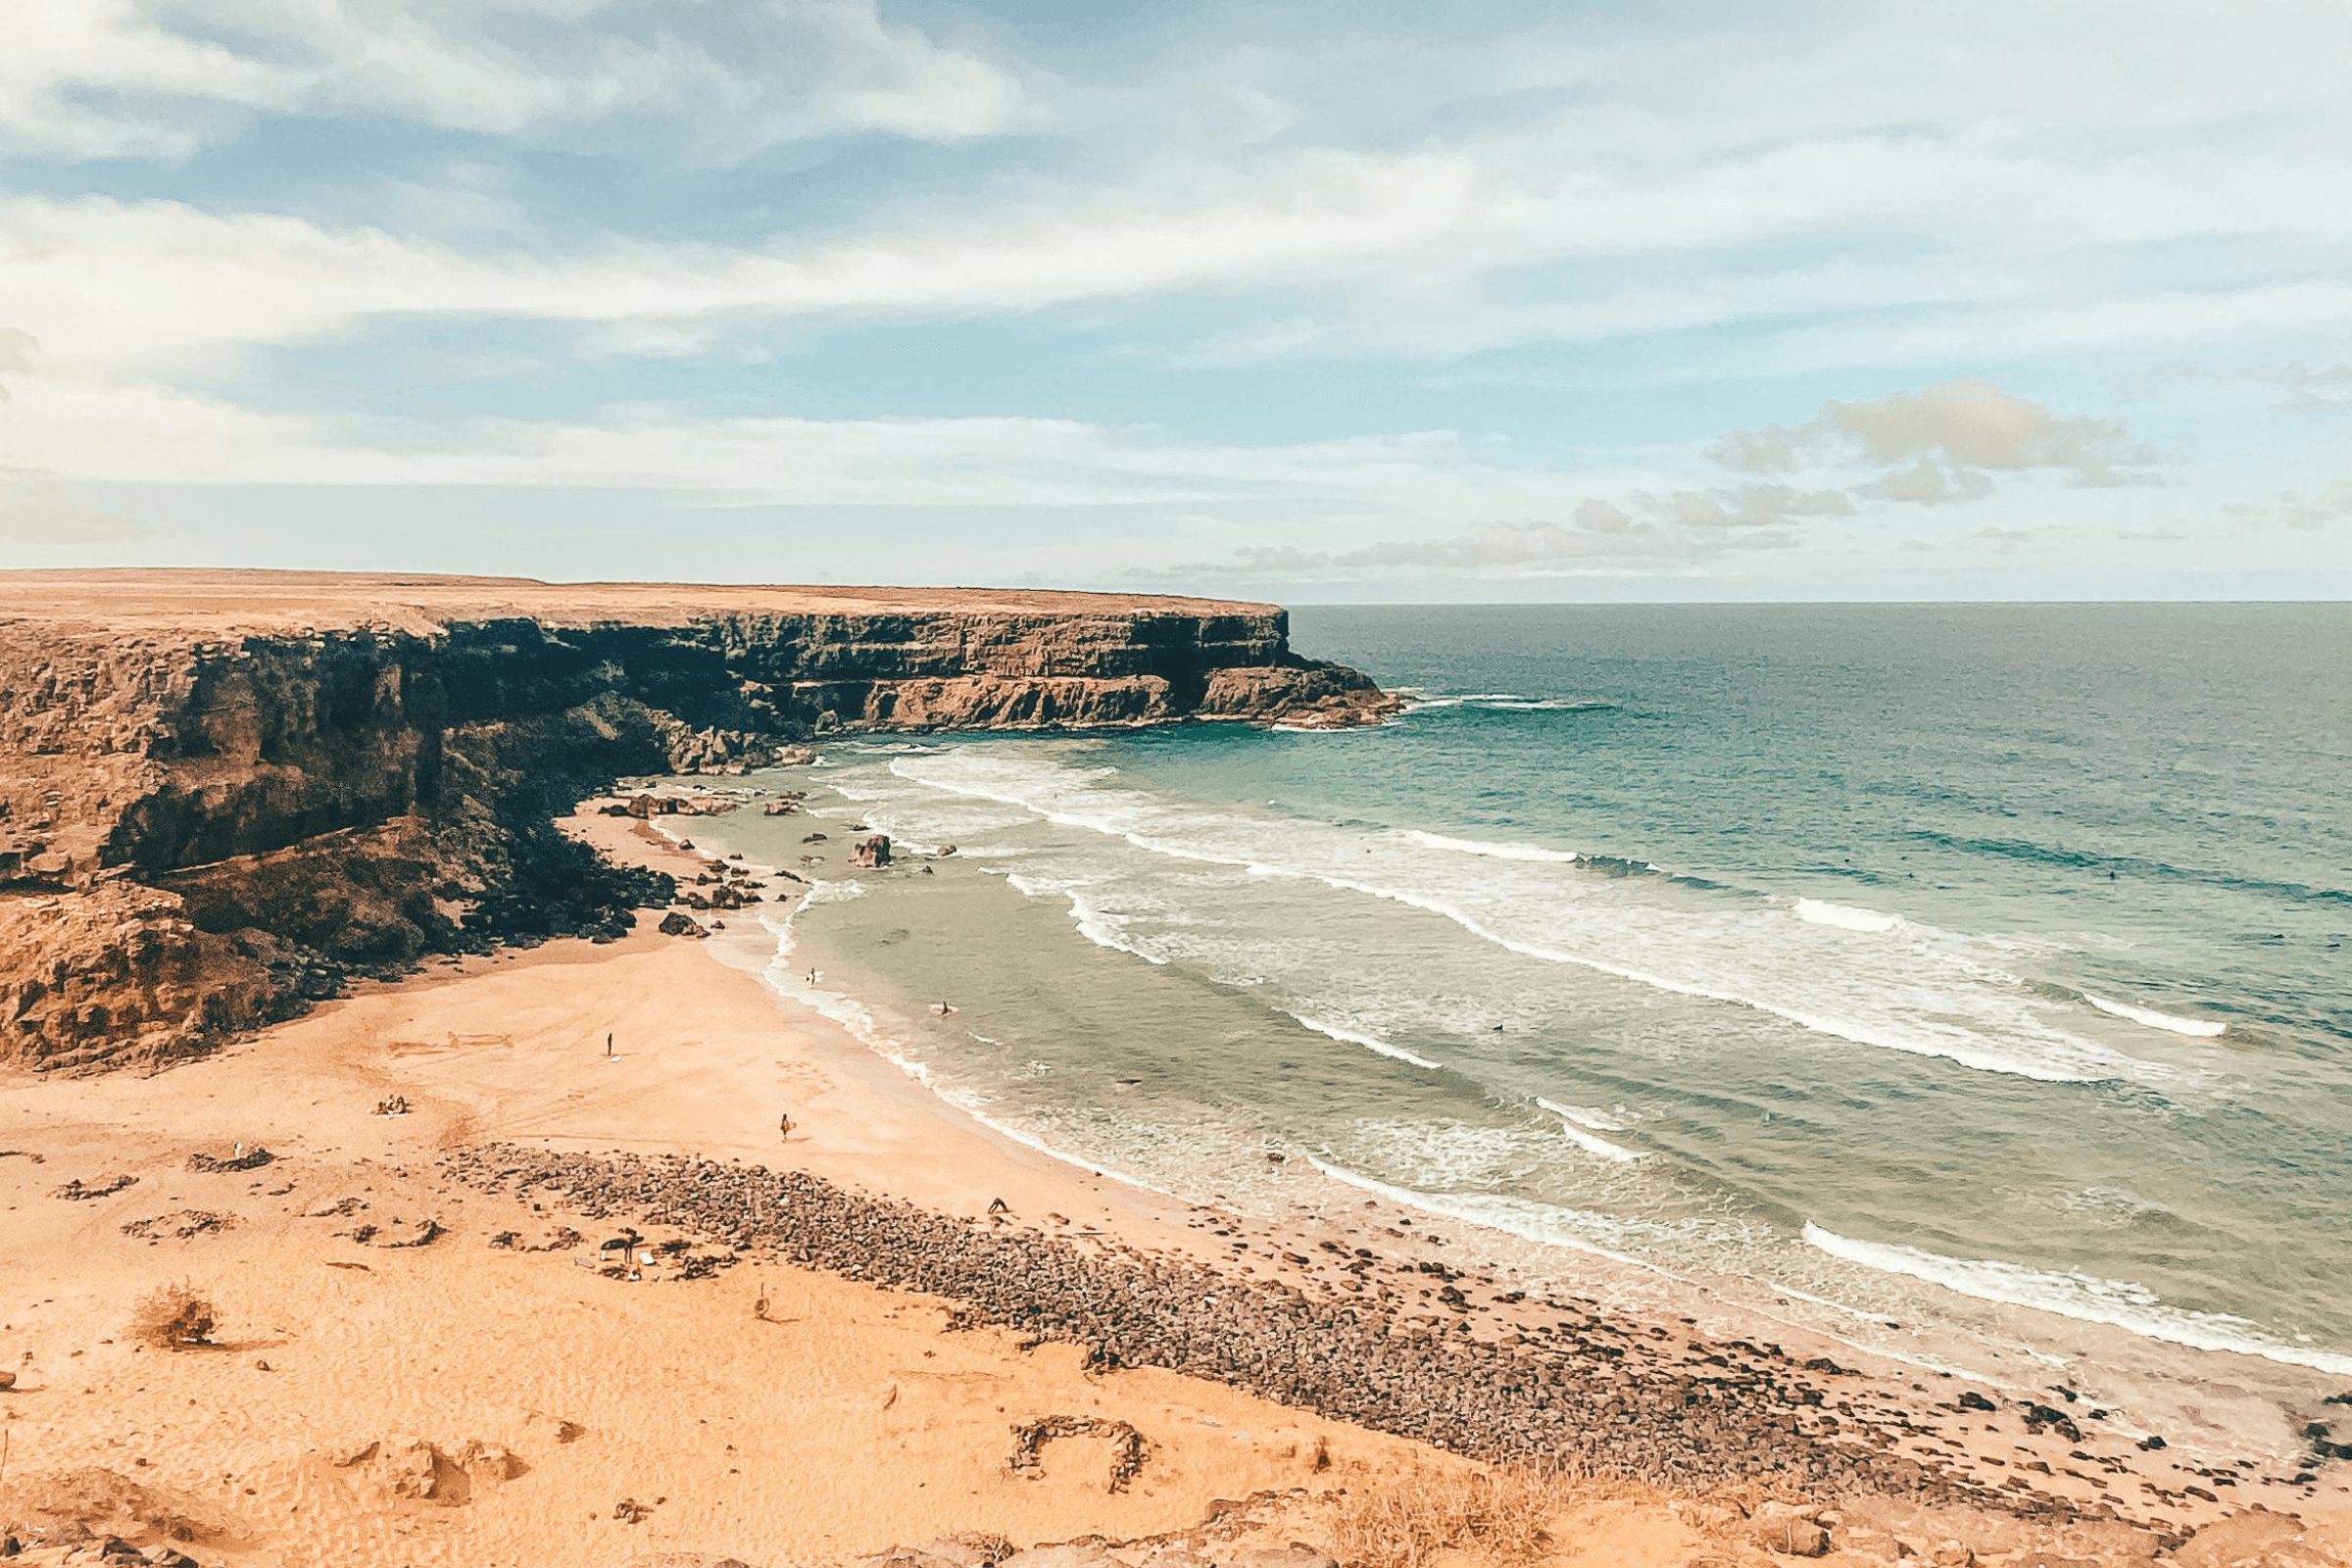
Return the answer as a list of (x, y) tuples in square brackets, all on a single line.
[(1351, 302)]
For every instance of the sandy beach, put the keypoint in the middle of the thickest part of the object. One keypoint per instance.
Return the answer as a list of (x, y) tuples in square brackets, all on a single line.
[(417, 1362)]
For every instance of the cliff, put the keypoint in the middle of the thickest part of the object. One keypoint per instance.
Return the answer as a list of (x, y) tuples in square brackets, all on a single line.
[(222, 793)]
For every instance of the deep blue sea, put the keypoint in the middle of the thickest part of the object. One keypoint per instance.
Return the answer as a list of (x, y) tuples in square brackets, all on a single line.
[(1972, 981)]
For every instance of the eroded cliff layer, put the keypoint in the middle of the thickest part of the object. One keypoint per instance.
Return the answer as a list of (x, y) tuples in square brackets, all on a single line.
[(222, 792)]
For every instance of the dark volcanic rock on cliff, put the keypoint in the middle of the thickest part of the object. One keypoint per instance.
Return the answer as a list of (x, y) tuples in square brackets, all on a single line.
[(220, 792)]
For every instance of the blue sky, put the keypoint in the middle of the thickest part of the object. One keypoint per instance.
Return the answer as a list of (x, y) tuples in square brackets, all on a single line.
[(1301, 301)]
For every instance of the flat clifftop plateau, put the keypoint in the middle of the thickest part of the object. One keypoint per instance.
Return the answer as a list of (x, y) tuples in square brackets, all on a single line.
[(235, 603), (221, 792)]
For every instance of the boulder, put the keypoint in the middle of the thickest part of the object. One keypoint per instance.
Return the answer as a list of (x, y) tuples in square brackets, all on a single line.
[(2254, 1539), (965, 1550), (1297, 1554), (1789, 1529), (871, 854), (1091, 1555), (418, 1471), (678, 923)]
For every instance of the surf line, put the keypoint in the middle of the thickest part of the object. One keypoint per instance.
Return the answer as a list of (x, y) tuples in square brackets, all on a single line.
[(2092, 1064), (2194, 1028), (2085, 1298)]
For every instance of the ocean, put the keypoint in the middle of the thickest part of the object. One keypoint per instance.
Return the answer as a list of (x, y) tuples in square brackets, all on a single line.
[(1968, 982)]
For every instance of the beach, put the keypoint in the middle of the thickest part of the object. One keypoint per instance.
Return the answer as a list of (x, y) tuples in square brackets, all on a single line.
[(410, 1304)]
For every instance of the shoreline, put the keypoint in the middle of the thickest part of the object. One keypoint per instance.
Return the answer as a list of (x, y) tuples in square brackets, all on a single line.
[(1992, 1450), (388, 1327)]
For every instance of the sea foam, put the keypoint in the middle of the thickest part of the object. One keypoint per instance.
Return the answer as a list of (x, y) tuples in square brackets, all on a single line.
[(1493, 851), (1368, 1042), (1069, 797), (2195, 1028), (1577, 1124), (2134, 1308), (1547, 1224), (1845, 916)]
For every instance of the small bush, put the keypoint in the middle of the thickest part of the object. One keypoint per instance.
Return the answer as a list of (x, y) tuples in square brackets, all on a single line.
[(174, 1317), (1500, 1513)]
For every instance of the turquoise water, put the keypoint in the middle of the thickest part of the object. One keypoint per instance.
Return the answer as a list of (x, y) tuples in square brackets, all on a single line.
[(1975, 967)]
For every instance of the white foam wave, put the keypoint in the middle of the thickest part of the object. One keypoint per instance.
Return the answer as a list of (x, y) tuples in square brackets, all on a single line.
[(1575, 1128), (1491, 849), (2080, 1061), (1368, 1042), (1845, 916), (1923, 1029), (2134, 1308), (1456, 699), (1546, 704), (1546, 1224), (2195, 1028), (1106, 930), (1577, 1124), (1589, 1118), (856, 1019), (1600, 1146), (1099, 926), (1509, 702)]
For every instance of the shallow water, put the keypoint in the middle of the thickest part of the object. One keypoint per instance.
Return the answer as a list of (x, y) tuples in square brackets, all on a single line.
[(1913, 965)]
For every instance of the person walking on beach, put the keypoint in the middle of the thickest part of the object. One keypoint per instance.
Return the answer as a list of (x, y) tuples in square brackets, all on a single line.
[(784, 1125)]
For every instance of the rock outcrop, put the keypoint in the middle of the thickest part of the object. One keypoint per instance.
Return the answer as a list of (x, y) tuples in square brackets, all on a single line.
[(222, 793)]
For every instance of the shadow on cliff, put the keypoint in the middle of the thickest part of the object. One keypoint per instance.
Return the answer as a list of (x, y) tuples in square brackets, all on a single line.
[(199, 837)]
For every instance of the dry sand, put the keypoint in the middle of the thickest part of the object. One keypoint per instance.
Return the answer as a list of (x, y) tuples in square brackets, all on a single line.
[(372, 1402)]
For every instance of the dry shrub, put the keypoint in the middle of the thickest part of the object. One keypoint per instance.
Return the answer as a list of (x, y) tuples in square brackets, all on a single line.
[(174, 1317), (1406, 1521)]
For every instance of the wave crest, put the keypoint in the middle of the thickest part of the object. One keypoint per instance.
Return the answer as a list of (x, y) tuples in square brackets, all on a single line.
[(2085, 1297), (2194, 1028), (1492, 849), (1368, 1042), (1845, 916)]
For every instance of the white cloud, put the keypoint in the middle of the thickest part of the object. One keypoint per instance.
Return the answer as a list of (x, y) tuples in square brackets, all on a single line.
[(90, 276), (17, 349), (1773, 193), (1943, 444), (35, 514), (105, 78), (2332, 505), (65, 430), (2307, 386), (1648, 534)]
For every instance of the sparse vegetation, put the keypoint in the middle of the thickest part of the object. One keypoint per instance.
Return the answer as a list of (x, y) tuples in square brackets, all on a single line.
[(174, 1317), (1500, 1514)]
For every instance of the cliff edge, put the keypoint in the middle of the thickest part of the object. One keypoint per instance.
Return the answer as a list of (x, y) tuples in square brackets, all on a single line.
[(223, 793)]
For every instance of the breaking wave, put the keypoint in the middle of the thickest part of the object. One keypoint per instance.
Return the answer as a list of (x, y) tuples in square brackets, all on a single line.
[(1579, 1124), (1845, 916), (1368, 1042), (2134, 1308), (1786, 986), (1493, 851), (2195, 1028)]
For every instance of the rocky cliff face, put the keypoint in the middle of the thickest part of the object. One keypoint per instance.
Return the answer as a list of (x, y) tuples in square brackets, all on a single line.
[(222, 793)]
